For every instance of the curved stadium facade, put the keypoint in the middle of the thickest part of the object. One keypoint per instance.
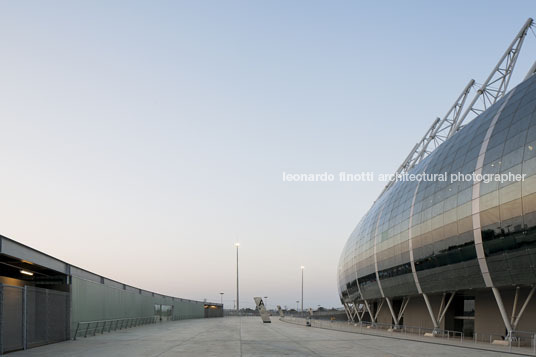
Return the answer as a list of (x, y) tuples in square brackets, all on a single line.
[(454, 255)]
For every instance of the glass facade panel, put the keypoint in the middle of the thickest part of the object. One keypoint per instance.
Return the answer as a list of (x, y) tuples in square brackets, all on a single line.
[(440, 223)]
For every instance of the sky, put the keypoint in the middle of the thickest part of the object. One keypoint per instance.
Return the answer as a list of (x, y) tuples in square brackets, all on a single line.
[(142, 139)]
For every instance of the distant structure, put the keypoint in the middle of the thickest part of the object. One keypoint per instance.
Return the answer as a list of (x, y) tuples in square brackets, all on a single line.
[(45, 300), (456, 255)]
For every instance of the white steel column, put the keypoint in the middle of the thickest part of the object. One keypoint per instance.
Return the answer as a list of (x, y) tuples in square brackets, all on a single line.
[(376, 265), (504, 315), (527, 300), (346, 309), (442, 311), (405, 303), (430, 311), (372, 318), (475, 211), (412, 259), (531, 71), (375, 252)]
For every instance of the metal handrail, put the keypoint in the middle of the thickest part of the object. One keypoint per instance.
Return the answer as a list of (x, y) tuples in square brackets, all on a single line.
[(92, 327), (524, 341)]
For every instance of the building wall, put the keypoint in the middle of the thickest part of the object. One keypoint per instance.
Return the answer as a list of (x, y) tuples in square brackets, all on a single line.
[(91, 300), (10, 281), (385, 315), (417, 315), (213, 311), (75, 294), (488, 318)]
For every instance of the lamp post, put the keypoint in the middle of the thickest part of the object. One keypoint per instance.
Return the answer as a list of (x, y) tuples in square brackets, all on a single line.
[(266, 302), (221, 298), (237, 290), (302, 268), (297, 302)]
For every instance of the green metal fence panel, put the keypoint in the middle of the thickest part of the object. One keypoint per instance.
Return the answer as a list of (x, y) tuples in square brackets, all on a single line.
[(92, 301)]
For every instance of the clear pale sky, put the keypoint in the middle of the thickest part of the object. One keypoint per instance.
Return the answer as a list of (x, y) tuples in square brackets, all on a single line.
[(140, 140)]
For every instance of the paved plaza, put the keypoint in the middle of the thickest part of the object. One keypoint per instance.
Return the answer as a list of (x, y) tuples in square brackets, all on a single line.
[(245, 336)]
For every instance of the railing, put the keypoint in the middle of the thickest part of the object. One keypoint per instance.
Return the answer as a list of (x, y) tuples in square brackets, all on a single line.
[(91, 328), (518, 339), (233, 312), (402, 329), (522, 342)]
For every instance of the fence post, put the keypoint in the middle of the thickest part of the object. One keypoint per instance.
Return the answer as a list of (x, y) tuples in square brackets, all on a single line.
[(47, 317), (76, 331), (24, 317), (1, 316)]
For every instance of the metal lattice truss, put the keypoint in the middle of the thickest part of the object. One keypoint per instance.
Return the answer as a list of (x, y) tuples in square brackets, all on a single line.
[(493, 88), (496, 84)]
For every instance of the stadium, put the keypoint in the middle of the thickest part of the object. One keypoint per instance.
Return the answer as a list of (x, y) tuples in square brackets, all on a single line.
[(456, 255)]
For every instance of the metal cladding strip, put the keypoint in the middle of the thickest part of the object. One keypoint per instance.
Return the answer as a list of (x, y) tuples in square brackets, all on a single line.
[(410, 236), (354, 264), (412, 259), (358, 287), (375, 257), (475, 203)]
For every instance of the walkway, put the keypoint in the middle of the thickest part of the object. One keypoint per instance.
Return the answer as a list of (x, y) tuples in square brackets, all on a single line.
[(246, 336)]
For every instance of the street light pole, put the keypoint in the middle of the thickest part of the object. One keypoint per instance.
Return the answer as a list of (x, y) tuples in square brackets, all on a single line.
[(221, 298), (237, 290), (266, 302), (302, 268), (297, 302)]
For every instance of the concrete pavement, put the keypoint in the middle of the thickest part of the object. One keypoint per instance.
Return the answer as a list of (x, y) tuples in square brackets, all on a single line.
[(242, 336)]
